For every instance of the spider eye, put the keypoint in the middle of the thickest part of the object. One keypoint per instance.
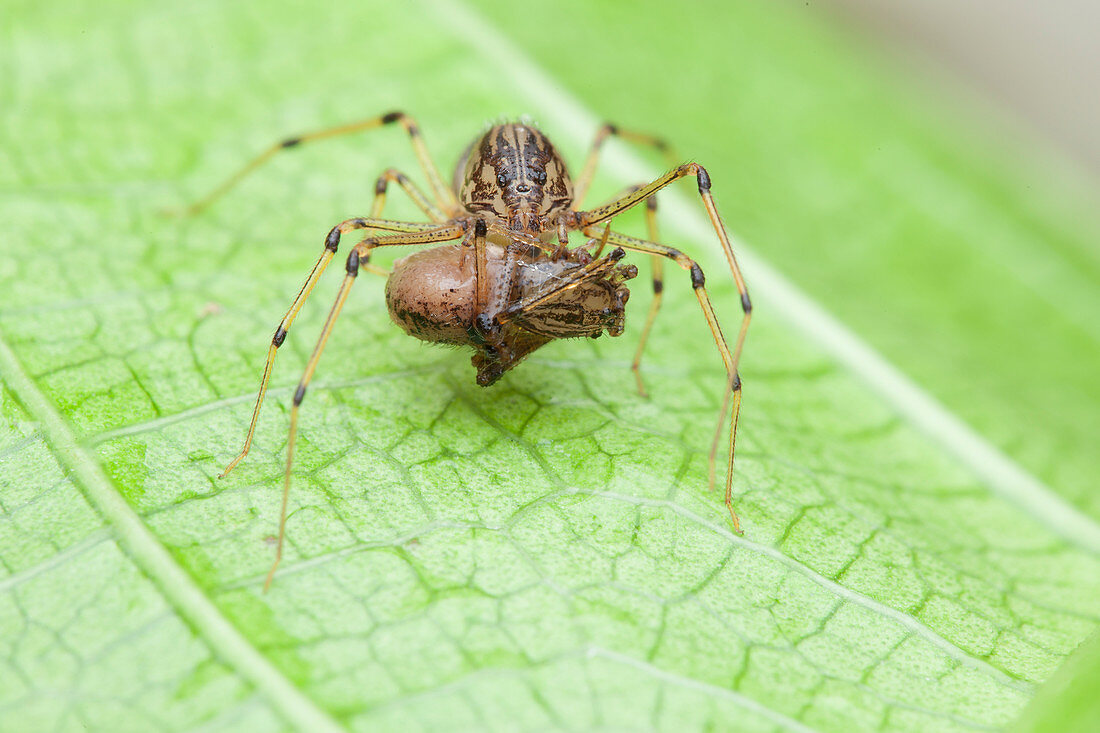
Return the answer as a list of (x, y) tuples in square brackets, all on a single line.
[(502, 180), (540, 177)]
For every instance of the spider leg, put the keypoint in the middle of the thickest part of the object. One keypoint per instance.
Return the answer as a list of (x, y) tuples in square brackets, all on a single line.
[(583, 220), (602, 241), (392, 175), (732, 396), (445, 198), (658, 266), (481, 269), (584, 180), (332, 243), (492, 295), (360, 255)]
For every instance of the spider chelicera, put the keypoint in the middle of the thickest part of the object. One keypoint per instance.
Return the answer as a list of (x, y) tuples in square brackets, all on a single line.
[(509, 283)]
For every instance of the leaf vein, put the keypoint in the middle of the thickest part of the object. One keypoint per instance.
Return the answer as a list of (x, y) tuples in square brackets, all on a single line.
[(1001, 474), (175, 585)]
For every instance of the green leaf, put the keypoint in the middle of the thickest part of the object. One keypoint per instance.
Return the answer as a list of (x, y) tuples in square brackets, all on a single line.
[(543, 553), (1067, 702)]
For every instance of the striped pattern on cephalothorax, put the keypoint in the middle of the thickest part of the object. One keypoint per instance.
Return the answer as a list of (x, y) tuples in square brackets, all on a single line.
[(514, 173)]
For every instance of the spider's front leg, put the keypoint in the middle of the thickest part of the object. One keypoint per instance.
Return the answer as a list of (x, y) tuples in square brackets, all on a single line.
[(359, 256), (732, 394), (586, 221), (580, 189), (332, 243), (658, 268)]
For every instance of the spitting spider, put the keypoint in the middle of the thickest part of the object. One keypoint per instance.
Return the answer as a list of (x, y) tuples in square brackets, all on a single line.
[(511, 283)]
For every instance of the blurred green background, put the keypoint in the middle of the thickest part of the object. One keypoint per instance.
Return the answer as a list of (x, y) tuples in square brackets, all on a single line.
[(543, 554)]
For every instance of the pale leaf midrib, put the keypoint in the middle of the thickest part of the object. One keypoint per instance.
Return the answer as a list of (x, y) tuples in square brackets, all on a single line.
[(174, 584)]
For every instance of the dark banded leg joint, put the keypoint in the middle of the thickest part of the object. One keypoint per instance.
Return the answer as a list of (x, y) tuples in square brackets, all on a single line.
[(697, 278), (704, 180), (280, 337), (332, 241), (353, 263)]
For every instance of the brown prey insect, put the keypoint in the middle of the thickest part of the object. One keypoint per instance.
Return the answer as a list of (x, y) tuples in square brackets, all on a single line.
[(509, 283)]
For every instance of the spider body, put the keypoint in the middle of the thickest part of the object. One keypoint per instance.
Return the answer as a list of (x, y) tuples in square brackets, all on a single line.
[(502, 278), (515, 184)]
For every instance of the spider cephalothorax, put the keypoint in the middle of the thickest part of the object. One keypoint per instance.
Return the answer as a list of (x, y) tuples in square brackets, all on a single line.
[(511, 283), (513, 173)]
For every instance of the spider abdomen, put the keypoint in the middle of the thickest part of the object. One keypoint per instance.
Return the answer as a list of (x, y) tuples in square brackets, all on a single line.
[(430, 295)]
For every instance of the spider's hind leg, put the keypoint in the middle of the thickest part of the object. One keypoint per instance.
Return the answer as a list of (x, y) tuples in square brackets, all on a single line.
[(584, 180), (731, 402), (392, 175), (658, 267)]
